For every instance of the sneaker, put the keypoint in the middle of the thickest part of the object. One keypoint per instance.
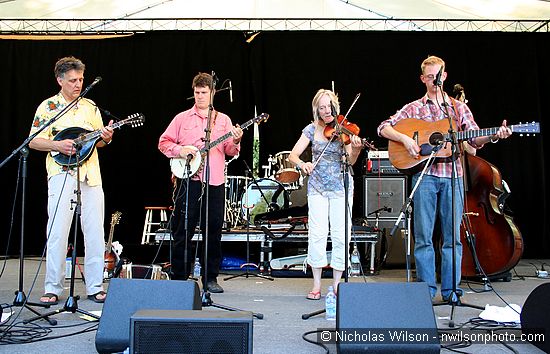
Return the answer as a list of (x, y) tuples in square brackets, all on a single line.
[(214, 287)]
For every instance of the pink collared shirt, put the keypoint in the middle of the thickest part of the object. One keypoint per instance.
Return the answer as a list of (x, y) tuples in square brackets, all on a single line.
[(187, 128)]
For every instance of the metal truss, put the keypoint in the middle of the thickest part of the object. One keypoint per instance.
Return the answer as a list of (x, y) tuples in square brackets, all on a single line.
[(132, 25)]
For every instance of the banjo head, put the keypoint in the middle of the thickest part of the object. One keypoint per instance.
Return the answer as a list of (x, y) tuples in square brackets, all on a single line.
[(178, 165)]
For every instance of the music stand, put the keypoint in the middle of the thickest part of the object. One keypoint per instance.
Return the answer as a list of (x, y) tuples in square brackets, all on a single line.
[(247, 264)]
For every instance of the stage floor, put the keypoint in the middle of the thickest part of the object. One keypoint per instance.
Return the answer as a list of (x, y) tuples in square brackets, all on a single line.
[(281, 301)]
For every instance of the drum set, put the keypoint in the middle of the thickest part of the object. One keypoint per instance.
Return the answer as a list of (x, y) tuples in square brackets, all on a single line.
[(282, 187)]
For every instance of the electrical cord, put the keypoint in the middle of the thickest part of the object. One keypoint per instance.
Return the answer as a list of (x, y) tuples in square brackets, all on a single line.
[(305, 334)]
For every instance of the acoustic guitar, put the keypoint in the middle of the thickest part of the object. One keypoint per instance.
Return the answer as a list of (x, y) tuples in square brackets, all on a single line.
[(181, 168), (85, 140), (432, 135), (111, 257)]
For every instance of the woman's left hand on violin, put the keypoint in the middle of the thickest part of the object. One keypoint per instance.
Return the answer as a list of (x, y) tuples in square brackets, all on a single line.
[(356, 142)]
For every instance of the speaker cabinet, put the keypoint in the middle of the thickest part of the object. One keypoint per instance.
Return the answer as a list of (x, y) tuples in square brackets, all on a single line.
[(188, 331), (382, 192), (126, 296), (370, 316), (392, 250), (534, 317)]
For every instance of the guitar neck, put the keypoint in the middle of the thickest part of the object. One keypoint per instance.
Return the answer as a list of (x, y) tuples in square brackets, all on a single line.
[(470, 134), (225, 136), (97, 133), (517, 128), (110, 241)]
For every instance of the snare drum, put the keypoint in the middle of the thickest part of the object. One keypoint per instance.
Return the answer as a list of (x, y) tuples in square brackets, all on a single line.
[(135, 271), (286, 172), (275, 194)]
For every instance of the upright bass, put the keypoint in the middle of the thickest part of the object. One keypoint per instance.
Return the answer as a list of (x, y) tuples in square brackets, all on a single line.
[(493, 243)]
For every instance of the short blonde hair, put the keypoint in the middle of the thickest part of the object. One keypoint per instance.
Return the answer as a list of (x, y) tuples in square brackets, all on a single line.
[(333, 101), (432, 60)]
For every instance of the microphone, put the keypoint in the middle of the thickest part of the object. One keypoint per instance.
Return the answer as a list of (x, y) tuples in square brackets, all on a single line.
[(189, 157), (437, 80), (230, 92), (388, 209), (96, 81)]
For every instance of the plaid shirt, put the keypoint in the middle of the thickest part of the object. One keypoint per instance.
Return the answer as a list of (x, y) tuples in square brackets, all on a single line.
[(428, 110)]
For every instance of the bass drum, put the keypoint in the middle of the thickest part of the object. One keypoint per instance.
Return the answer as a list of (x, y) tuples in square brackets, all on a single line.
[(261, 196)]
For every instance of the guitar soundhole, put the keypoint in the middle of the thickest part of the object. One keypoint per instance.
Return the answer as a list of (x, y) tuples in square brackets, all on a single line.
[(436, 139)]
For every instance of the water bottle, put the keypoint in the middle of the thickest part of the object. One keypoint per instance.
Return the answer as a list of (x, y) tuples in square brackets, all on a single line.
[(197, 269), (355, 262), (68, 267), (330, 304)]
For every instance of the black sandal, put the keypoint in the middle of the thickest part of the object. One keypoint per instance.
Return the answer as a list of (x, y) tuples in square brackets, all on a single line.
[(95, 299)]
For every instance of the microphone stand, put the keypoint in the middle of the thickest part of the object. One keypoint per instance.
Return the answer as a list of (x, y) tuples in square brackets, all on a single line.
[(454, 297), (71, 304), (20, 297), (406, 207), (247, 264), (345, 174), (205, 296)]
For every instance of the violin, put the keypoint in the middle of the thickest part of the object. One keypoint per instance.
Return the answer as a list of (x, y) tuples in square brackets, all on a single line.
[(342, 128)]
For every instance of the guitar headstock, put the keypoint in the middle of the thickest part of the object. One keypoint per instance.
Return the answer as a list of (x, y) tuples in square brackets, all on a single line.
[(261, 118), (115, 218), (135, 120), (526, 128)]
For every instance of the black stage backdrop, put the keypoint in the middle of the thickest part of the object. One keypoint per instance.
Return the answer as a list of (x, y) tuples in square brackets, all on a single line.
[(505, 76)]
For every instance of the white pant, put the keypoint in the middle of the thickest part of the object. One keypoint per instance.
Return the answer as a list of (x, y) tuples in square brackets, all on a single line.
[(326, 213), (93, 211)]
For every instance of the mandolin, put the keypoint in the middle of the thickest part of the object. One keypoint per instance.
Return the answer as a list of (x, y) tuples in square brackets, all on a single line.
[(428, 135), (181, 169), (85, 140), (111, 257)]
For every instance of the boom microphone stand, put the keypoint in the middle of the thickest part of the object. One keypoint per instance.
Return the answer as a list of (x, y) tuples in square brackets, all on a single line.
[(205, 296)]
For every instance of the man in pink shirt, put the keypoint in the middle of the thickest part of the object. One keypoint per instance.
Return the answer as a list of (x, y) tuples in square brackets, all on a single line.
[(184, 138)]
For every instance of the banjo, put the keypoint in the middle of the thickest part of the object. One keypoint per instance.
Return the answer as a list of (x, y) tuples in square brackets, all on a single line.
[(179, 165)]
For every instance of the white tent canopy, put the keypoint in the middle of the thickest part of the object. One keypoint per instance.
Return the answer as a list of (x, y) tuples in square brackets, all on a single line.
[(254, 15)]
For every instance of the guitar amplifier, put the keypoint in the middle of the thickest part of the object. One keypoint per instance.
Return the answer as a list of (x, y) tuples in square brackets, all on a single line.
[(378, 162)]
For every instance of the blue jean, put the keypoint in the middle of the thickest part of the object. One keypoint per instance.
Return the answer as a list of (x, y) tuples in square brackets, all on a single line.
[(434, 198)]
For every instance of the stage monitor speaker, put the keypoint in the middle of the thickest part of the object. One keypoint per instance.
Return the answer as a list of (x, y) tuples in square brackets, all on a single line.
[(188, 331), (382, 192), (126, 296), (371, 316), (534, 317)]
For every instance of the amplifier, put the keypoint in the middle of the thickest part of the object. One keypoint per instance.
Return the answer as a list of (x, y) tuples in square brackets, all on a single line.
[(379, 162)]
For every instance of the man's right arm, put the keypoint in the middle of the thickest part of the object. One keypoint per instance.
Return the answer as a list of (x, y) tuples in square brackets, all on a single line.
[(390, 133), (64, 146)]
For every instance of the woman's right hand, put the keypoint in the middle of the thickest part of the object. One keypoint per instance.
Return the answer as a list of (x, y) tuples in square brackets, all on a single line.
[(307, 167)]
